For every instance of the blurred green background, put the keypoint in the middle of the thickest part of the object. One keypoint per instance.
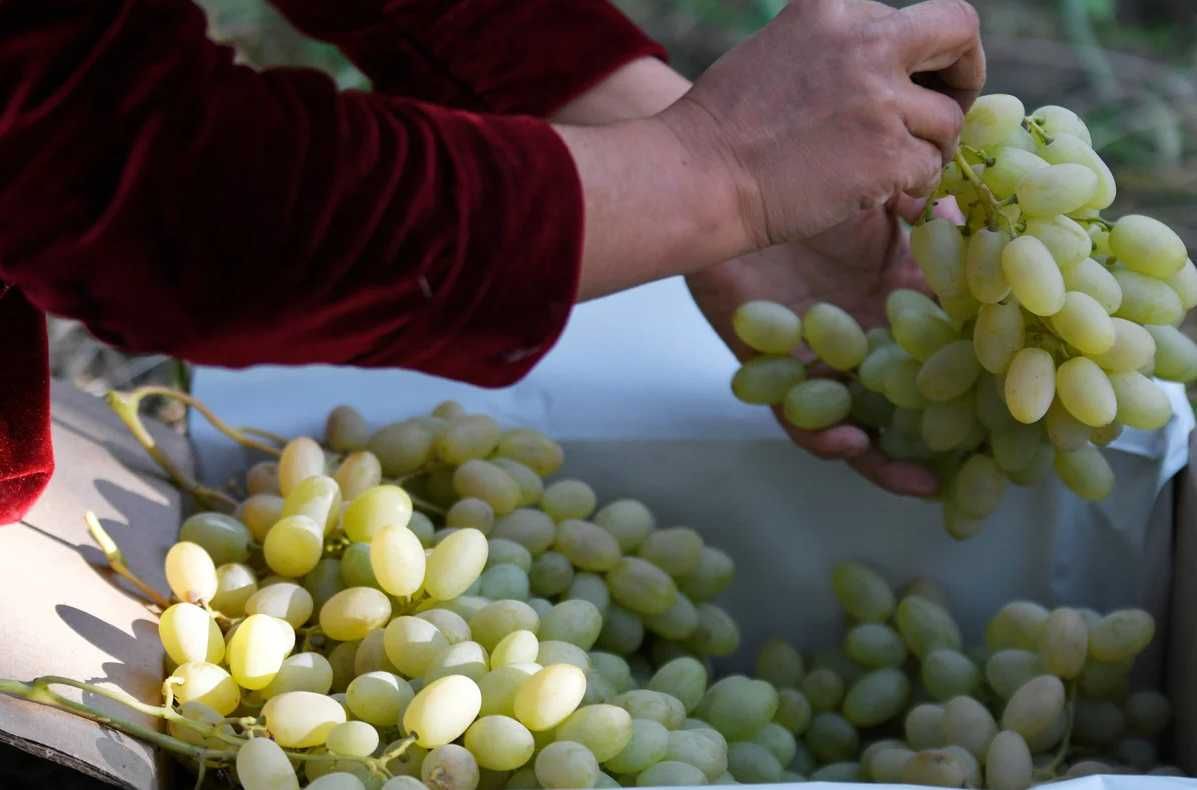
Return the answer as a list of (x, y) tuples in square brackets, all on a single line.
[(1128, 66)]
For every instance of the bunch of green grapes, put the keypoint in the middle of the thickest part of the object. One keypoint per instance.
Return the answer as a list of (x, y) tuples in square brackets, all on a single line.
[(417, 607), (1049, 324), (1046, 696)]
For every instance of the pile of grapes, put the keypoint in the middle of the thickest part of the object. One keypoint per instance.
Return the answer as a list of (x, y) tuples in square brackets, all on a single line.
[(476, 627), (1049, 323)]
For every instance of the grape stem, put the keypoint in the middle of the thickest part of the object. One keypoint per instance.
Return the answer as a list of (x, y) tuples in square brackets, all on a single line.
[(1104, 223), (1037, 131), (990, 203), (984, 158), (116, 560)]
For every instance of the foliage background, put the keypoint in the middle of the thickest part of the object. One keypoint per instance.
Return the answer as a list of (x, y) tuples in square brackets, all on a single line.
[(1128, 66)]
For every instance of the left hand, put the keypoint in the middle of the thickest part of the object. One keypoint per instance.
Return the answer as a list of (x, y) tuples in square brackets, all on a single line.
[(855, 267)]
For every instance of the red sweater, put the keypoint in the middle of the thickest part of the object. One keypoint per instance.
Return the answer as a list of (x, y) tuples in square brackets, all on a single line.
[(177, 203)]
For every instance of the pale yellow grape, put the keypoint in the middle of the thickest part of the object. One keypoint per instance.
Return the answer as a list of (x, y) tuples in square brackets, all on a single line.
[(936, 767), (614, 668), (263, 765), (500, 743), (259, 512), (1175, 354), (499, 686), (1141, 403), (978, 487), (1090, 277), (413, 645), (1184, 282), (1033, 275), (1067, 149), (1084, 323), (190, 573), (352, 739), (938, 247), (1030, 384), (695, 748), (455, 564), (452, 625), (345, 429), (402, 447), (1057, 120), (1064, 643), (921, 333), (498, 619), (926, 626), (877, 697), (236, 584), (641, 586), (548, 697), (949, 373), (301, 719), (768, 327), (397, 559), (317, 497), (467, 437), (1057, 189), (765, 380), (1018, 624), (1086, 472), (960, 308), (968, 724), (285, 600), (1011, 165), (301, 672), (1147, 246), (877, 337), (1146, 300), (530, 485), (294, 546), (991, 120), (1034, 707), (1134, 348), (1000, 333), (1086, 392), (302, 458), (623, 631), (189, 633), (353, 613), (200, 681), (483, 480), (862, 592), (371, 656), (923, 726), (886, 763), (1065, 431), (684, 678), (257, 648), (1067, 241), (224, 538), (442, 711), (817, 404), (835, 336), (983, 266), (376, 509), (533, 449), (1121, 635)]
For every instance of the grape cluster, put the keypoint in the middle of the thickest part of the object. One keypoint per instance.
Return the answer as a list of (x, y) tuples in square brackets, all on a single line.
[(1048, 324)]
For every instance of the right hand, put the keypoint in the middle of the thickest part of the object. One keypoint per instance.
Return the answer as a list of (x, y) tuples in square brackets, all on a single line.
[(817, 120)]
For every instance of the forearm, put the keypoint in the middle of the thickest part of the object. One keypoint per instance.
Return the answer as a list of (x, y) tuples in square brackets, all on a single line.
[(640, 89)]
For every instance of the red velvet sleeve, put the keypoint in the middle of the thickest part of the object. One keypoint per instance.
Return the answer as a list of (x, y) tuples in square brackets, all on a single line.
[(504, 56), (178, 203)]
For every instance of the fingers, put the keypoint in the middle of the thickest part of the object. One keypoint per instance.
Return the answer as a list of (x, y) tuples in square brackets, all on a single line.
[(898, 477), (935, 118), (943, 38), (923, 165), (840, 442)]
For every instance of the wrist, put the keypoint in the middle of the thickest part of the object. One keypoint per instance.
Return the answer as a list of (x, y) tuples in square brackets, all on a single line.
[(638, 89)]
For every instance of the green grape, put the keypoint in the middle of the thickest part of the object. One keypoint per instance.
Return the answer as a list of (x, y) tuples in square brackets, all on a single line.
[(677, 623), (647, 746), (949, 424), (923, 726), (508, 552), (832, 738), (816, 404), (926, 626), (256, 650), (464, 658), (532, 449), (983, 266), (1141, 403), (991, 120), (1147, 246), (768, 327), (302, 458), (741, 706), (1184, 282), (1010, 167), (442, 711), (886, 764), (518, 647), (1018, 624), (588, 546), (500, 743), (483, 480), (235, 584), (471, 513), (358, 473), (398, 562), (684, 678), (1015, 448), (1084, 324), (877, 697), (422, 528), (1034, 708), (575, 621), (777, 739), (450, 767), (499, 686), (614, 668), (875, 645), (530, 528), (717, 633), (641, 586), (1147, 713), (376, 509), (793, 710), (301, 719), (200, 713), (1091, 278), (454, 564), (843, 771), (413, 645), (862, 592), (568, 499), (345, 429), (353, 613), (494, 621), (976, 492), (1065, 431), (466, 606), (779, 663), (623, 631), (835, 336), (649, 704), (1086, 392), (1030, 385), (919, 334), (948, 373), (1057, 189), (967, 762), (968, 724), (263, 765), (503, 582), (1121, 635), (262, 478), (224, 538), (869, 409), (671, 773), (764, 381), (1175, 355), (317, 497), (1067, 241), (603, 729), (294, 546), (1137, 753), (1064, 643), (402, 447), (342, 659), (190, 573), (1060, 120), (696, 748), (590, 587), (356, 570), (1134, 348), (1067, 149), (554, 651), (629, 520), (258, 513), (936, 767), (1034, 277), (938, 247), (189, 633), (547, 698), (530, 485), (324, 581), (551, 574), (301, 672), (1146, 300), (1040, 467), (877, 337), (902, 299), (751, 763)]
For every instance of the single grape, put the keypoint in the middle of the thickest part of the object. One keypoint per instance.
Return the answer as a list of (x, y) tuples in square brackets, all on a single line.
[(991, 120), (1084, 324), (1068, 149), (442, 711), (1057, 189), (835, 336), (1034, 277), (224, 538), (765, 380), (450, 767), (257, 648), (548, 697), (302, 458), (189, 633), (190, 573), (816, 404), (1176, 354), (301, 719), (999, 334), (938, 247), (1147, 246), (353, 613), (263, 765), (768, 327), (301, 672), (1091, 278), (1146, 300), (647, 746), (1141, 403), (1121, 635), (1030, 384), (877, 697), (500, 743), (1010, 167), (1086, 392)]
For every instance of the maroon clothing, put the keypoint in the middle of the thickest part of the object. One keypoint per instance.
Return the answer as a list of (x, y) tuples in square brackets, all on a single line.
[(177, 203)]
